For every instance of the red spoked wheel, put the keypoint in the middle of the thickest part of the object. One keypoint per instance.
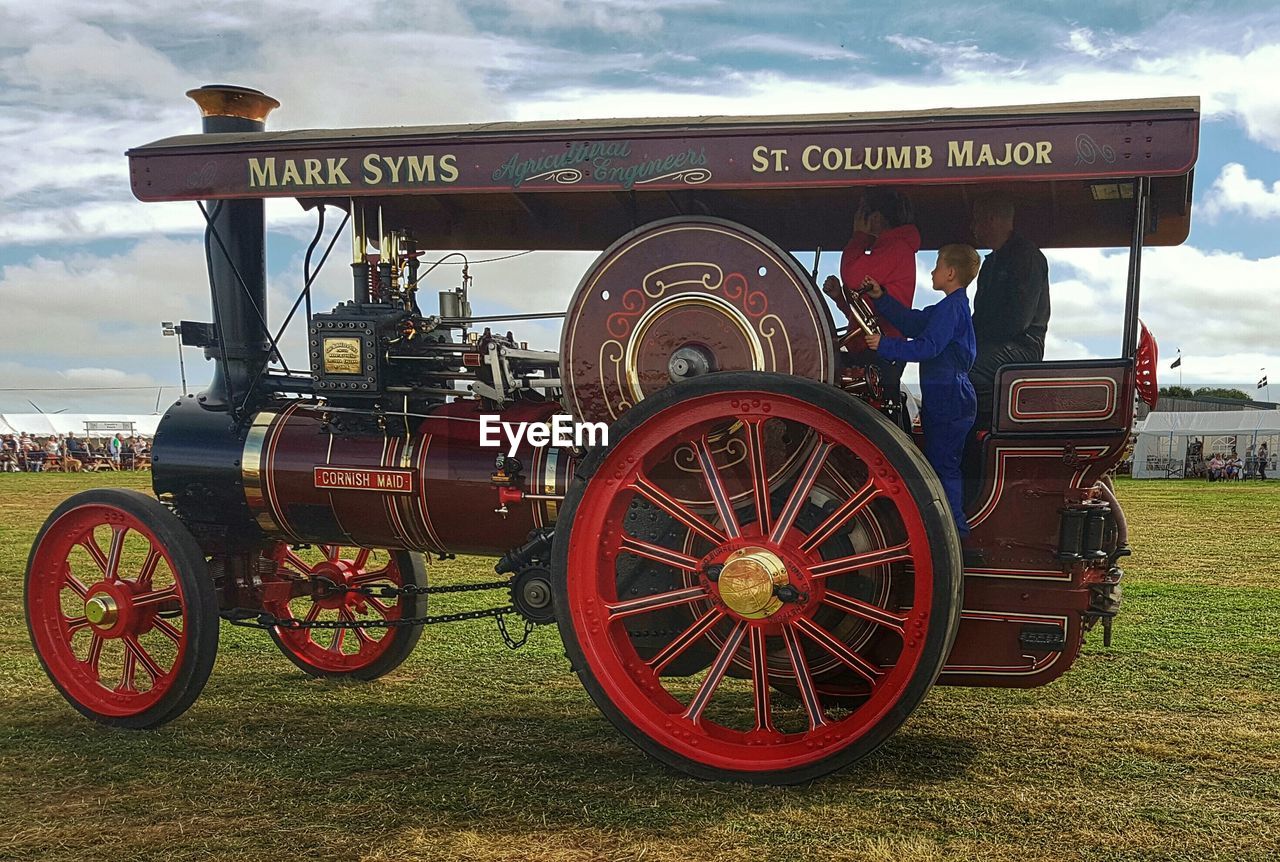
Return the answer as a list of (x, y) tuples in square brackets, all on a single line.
[(363, 654), (838, 580), (120, 608)]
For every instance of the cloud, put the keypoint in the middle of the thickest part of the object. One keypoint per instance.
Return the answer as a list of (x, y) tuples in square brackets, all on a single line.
[(1194, 299), (1234, 191), (1082, 40), (629, 17), (944, 54), (83, 390), (786, 46)]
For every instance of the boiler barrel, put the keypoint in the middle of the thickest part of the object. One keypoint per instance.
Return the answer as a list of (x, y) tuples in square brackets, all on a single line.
[(429, 490)]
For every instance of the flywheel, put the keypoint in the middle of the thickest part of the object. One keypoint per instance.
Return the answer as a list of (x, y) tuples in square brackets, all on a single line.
[(683, 297)]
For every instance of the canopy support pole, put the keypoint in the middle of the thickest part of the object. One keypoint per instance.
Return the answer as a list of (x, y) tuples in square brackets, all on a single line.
[(1141, 196)]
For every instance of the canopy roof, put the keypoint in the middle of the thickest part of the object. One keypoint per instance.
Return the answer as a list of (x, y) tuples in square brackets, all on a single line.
[(581, 184), (1213, 422)]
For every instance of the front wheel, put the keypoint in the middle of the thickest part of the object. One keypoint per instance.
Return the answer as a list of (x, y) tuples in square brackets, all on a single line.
[(861, 598), (121, 609)]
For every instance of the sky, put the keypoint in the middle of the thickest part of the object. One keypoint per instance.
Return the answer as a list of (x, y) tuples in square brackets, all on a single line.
[(87, 273)]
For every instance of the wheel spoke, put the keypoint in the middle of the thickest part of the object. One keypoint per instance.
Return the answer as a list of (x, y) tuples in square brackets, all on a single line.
[(379, 606), (677, 647), (156, 596), (840, 517), (865, 560), (664, 501), (645, 604), (117, 548), (759, 473), (361, 560), (76, 586), (330, 552), (376, 575), (715, 673), (718, 494), (291, 557), (338, 635), (760, 680), (837, 648), (143, 658), (95, 653), (364, 637), (74, 624), (128, 673), (314, 613), (167, 629), (800, 493), (659, 554), (149, 568), (90, 544), (804, 680), (865, 610)]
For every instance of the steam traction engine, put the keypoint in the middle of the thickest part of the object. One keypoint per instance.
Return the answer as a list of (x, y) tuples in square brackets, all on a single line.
[(755, 578)]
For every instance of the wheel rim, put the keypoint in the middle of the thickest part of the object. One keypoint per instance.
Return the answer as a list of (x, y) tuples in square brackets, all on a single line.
[(749, 732), (108, 611), (339, 650)]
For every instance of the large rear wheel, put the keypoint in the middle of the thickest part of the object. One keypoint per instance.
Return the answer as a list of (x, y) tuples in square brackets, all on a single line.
[(120, 607), (818, 557)]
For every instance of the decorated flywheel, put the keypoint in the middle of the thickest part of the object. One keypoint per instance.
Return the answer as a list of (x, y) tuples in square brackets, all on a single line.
[(682, 297)]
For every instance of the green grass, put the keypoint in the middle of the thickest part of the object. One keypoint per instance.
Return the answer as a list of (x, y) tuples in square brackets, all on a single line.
[(1165, 746)]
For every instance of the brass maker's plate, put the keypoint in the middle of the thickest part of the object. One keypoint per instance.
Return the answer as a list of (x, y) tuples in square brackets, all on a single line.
[(747, 581), (342, 356)]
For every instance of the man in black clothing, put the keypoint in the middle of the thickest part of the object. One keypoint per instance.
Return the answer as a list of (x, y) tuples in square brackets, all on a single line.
[(1011, 305)]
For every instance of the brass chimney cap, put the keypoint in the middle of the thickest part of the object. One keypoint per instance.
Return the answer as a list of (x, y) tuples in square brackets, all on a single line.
[(225, 100)]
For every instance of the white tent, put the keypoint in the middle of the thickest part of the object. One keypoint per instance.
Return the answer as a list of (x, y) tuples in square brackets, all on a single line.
[(47, 424), (1161, 450)]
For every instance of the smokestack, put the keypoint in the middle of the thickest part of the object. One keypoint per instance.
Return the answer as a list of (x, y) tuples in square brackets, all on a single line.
[(240, 226)]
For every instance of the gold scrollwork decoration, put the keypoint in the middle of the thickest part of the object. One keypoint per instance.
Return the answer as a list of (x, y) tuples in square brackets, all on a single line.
[(689, 176), (770, 326), (702, 273), (612, 358), (563, 176)]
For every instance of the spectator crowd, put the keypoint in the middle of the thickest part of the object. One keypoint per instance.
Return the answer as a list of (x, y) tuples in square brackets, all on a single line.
[(27, 454)]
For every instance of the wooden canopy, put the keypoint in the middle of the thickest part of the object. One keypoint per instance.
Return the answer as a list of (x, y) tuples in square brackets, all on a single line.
[(582, 184)]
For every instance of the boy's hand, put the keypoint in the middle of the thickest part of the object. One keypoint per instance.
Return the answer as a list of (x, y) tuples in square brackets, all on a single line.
[(873, 341), (872, 287), (832, 287)]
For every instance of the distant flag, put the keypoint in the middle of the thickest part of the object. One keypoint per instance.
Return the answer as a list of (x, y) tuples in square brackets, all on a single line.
[(1262, 382), (1176, 362)]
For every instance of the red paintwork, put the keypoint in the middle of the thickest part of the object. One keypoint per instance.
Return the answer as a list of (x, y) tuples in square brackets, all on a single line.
[(55, 572), (344, 567), (1147, 364), (634, 682)]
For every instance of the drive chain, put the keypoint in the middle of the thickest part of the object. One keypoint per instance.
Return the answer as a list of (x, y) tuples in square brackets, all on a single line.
[(249, 618)]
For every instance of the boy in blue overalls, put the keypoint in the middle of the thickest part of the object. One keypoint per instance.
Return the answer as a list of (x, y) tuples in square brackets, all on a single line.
[(941, 339)]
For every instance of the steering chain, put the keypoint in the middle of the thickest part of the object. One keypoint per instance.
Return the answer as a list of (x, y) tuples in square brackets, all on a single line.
[(249, 618)]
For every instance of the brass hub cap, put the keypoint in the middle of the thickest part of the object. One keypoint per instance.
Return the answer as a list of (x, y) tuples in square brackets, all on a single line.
[(101, 611), (747, 582)]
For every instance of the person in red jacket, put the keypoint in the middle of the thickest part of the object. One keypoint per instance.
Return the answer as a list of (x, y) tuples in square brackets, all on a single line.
[(883, 246)]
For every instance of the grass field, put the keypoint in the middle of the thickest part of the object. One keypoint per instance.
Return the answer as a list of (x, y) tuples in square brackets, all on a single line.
[(1165, 746)]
